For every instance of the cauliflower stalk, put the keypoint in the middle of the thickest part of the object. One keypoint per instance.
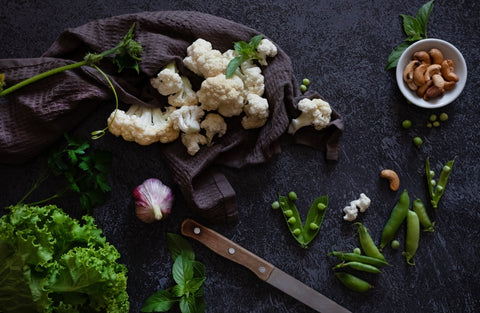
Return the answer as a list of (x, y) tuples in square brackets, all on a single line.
[(315, 112)]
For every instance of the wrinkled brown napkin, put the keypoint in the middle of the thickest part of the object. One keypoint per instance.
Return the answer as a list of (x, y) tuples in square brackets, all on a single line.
[(34, 117)]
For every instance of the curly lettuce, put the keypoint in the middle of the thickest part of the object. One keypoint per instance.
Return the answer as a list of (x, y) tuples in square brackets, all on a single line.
[(50, 262)]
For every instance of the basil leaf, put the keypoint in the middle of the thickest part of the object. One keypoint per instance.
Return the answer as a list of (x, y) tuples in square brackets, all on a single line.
[(160, 301), (198, 269), (179, 246), (423, 15), (232, 66), (411, 26), (182, 270), (191, 304), (396, 53), (193, 285), (255, 41)]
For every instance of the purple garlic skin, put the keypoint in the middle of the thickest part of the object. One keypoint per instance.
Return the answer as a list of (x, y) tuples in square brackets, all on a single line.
[(153, 200)]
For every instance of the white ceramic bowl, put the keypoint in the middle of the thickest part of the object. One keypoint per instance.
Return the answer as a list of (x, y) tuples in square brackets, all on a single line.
[(449, 52)]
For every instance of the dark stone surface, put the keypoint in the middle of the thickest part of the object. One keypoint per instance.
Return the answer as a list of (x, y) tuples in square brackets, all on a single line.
[(342, 47)]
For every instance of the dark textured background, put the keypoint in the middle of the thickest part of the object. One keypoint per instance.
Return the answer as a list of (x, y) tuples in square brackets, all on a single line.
[(342, 46)]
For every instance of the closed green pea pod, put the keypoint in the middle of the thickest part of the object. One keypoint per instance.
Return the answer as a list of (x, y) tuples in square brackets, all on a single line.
[(413, 237), (367, 243), (348, 256), (397, 216), (359, 267), (353, 283), (419, 208)]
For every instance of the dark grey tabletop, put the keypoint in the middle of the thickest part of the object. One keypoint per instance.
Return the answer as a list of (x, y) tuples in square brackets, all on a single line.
[(342, 47)]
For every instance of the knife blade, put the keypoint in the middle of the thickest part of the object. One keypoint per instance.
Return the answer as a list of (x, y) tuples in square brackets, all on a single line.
[(260, 267)]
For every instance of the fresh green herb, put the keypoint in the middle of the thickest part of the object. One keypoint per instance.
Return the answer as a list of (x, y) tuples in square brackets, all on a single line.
[(246, 51), (189, 276), (415, 29), (84, 172), (303, 233), (50, 262), (437, 188)]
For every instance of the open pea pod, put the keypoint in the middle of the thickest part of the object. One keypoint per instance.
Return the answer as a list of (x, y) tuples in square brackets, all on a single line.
[(314, 219), (437, 188), (292, 217)]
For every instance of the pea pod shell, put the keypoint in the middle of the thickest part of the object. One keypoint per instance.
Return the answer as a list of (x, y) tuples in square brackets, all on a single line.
[(397, 216), (412, 237), (315, 215), (348, 256), (287, 205), (352, 282), (442, 183), (359, 267), (367, 243), (419, 208)]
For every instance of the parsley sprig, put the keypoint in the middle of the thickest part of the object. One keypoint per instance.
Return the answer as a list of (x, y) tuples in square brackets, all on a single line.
[(415, 27), (82, 170), (246, 51), (188, 275)]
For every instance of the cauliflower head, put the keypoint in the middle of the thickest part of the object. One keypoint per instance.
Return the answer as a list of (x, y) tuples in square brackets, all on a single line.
[(186, 96), (213, 124), (265, 49), (203, 60), (256, 112), (221, 94), (315, 112), (187, 118), (168, 81)]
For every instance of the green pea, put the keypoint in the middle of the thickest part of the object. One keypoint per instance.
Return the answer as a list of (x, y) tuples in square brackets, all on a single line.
[(313, 226), (297, 231), (395, 244), (419, 208), (429, 125), (348, 256), (358, 266), (433, 117), (368, 246), (353, 283), (436, 124), (292, 220), (303, 88), (288, 213), (321, 206), (412, 237), (357, 251), (407, 124), (275, 205), (443, 117), (292, 196), (417, 141), (397, 216), (306, 81)]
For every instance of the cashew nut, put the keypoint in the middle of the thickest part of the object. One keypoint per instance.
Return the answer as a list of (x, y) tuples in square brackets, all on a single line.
[(436, 56), (433, 92), (419, 74), (422, 89), (432, 70), (408, 74), (438, 81), (448, 68), (422, 56), (392, 178), (448, 85)]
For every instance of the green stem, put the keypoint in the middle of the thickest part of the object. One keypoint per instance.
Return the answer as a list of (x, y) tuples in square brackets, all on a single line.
[(42, 178), (45, 200)]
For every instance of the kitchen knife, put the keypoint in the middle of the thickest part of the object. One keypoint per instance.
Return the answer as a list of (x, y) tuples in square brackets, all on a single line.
[(263, 269)]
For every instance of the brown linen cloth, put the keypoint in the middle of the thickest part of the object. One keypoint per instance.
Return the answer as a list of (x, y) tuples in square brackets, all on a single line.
[(36, 116)]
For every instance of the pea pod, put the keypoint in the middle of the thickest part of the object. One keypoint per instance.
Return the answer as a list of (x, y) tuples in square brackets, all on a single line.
[(413, 237), (314, 218), (419, 208), (358, 266), (292, 217), (437, 188), (397, 216), (348, 256), (353, 282), (367, 243)]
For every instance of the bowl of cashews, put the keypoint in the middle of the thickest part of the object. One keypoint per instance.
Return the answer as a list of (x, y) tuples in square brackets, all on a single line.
[(431, 73)]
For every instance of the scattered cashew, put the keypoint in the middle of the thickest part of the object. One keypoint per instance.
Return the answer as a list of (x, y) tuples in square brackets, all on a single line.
[(392, 178), (429, 74)]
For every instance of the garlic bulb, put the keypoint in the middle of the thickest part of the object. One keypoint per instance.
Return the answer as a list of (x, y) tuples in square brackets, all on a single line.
[(153, 200)]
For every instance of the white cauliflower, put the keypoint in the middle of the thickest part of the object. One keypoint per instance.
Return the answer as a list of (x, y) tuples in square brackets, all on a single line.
[(265, 49), (221, 94), (142, 124), (252, 78), (351, 211), (315, 112), (363, 202), (187, 118), (256, 111), (213, 124), (168, 81), (203, 60), (186, 96), (193, 141)]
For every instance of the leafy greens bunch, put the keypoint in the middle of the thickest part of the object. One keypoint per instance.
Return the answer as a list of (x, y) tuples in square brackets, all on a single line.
[(83, 170), (50, 262), (415, 27), (189, 276)]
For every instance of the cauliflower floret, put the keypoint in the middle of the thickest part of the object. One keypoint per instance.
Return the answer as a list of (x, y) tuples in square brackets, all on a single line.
[(265, 49), (193, 141), (168, 81), (142, 124), (252, 78), (203, 60), (256, 111), (315, 112), (187, 118), (214, 124), (363, 202), (225, 95), (186, 96), (351, 212)]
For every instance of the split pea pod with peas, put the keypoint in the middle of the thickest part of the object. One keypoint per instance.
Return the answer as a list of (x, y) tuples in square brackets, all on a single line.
[(397, 216), (437, 188)]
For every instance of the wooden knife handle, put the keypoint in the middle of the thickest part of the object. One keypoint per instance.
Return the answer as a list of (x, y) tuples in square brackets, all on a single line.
[(227, 249)]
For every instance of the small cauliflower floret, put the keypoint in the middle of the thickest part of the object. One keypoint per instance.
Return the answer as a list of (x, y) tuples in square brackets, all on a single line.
[(187, 118), (265, 49), (193, 141), (315, 112), (168, 81), (203, 60), (221, 94), (142, 124), (363, 202), (214, 124), (252, 78), (256, 111), (351, 212), (186, 96)]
